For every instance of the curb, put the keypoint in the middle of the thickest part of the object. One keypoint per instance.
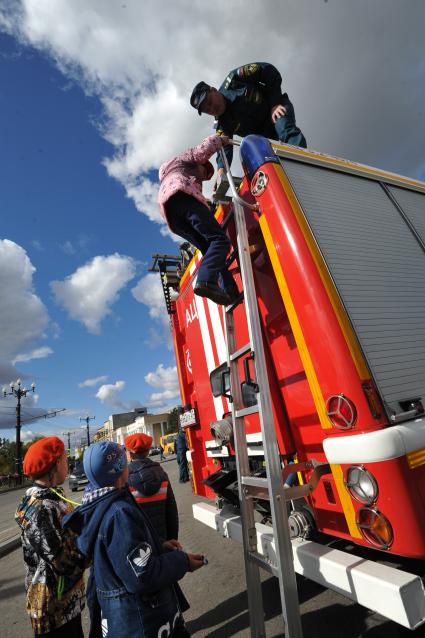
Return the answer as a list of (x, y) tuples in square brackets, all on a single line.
[(167, 459), (13, 489), (10, 545)]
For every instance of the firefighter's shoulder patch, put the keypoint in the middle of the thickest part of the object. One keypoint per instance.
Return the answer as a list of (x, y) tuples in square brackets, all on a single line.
[(247, 69)]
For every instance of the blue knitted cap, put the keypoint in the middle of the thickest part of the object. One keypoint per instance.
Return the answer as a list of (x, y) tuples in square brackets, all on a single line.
[(104, 462)]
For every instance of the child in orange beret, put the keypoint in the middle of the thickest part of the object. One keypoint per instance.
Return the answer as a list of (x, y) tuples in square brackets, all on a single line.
[(151, 487), (54, 567)]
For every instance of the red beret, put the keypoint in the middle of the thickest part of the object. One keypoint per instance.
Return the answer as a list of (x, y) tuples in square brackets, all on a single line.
[(42, 455), (138, 442)]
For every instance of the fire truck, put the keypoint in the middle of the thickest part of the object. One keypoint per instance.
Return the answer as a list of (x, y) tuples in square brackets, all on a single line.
[(304, 400)]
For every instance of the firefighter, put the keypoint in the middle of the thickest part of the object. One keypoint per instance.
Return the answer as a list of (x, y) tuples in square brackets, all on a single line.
[(150, 486), (249, 101), (180, 450), (186, 212)]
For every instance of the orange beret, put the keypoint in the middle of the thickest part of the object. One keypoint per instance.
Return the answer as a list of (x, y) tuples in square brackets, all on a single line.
[(42, 455), (138, 442)]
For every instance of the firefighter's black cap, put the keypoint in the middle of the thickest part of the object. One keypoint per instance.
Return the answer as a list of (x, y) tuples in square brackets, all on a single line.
[(199, 94)]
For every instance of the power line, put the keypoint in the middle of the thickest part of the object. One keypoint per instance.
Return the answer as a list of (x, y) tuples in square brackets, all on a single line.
[(47, 415)]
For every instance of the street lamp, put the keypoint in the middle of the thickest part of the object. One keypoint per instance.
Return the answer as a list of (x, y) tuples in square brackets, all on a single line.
[(18, 392)]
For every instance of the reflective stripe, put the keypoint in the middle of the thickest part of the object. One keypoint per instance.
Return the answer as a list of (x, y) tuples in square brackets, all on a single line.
[(160, 495)]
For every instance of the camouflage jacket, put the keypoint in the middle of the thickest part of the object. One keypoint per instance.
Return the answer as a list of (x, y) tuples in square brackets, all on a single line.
[(54, 567)]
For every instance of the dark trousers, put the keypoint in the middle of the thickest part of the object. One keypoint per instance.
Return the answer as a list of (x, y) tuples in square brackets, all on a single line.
[(183, 467), (285, 127), (71, 629), (192, 220)]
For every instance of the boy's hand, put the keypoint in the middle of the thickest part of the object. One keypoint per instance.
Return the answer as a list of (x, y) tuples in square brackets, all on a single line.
[(224, 139), (171, 545), (195, 561)]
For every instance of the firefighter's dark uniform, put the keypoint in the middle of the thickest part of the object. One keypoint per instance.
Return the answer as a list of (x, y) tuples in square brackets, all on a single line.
[(250, 92), (181, 449)]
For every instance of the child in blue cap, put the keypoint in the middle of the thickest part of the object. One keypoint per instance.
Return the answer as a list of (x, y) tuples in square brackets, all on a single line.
[(134, 574)]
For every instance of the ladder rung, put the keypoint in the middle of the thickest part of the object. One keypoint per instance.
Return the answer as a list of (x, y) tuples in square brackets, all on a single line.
[(236, 303), (255, 481), (245, 411), (255, 487), (241, 351), (259, 560)]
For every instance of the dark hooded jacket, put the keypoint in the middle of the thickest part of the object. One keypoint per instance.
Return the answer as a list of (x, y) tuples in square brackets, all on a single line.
[(152, 491), (134, 577)]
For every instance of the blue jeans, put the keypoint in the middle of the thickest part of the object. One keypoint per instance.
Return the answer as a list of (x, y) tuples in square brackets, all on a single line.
[(192, 220)]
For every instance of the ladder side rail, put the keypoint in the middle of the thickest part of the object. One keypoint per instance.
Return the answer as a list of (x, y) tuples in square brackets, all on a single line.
[(249, 532), (284, 555)]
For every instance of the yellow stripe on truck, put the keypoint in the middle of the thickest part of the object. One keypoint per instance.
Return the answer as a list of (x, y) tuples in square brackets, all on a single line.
[(310, 372)]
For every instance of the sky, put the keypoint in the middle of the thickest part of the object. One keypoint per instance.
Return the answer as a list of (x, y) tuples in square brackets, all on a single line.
[(94, 97)]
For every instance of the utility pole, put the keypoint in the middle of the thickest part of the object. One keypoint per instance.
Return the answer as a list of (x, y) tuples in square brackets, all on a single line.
[(18, 392), (87, 419), (68, 434)]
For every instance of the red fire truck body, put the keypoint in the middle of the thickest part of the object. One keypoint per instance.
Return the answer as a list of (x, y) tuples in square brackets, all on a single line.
[(318, 284)]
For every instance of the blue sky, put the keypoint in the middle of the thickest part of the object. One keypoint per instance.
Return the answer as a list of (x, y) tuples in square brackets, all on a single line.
[(59, 204), (94, 97)]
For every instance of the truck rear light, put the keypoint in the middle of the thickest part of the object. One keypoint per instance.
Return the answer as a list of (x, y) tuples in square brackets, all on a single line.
[(374, 527), (361, 484), (341, 411)]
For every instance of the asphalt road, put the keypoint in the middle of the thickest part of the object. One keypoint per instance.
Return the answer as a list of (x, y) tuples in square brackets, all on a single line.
[(216, 592)]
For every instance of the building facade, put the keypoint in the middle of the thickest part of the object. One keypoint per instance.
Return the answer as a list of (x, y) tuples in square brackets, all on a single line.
[(118, 426)]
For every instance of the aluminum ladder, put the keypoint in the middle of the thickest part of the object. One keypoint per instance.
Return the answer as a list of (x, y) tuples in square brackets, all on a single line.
[(250, 487)]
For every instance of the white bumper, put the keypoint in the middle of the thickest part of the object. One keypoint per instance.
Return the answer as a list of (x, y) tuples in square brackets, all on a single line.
[(393, 593), (382, 445)]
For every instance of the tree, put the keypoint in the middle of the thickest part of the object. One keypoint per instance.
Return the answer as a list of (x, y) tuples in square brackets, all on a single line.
[(173, 420), (8, 454)]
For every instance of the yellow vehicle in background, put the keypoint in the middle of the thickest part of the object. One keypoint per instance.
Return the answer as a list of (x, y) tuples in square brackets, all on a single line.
[(167, 442)]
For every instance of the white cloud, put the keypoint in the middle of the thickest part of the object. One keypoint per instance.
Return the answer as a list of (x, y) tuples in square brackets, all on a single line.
[(37, 353), (110, 393), (37, 245), (167, 382), (89, 383), (354, 70), (149, 292), (71, 248), (9, 373), (23, 316), (29, 409), (92, 289), (55, 329), (28, 435), (68, 248)]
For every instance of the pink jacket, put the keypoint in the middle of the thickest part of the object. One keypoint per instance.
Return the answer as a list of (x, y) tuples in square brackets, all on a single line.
[(180, 173)]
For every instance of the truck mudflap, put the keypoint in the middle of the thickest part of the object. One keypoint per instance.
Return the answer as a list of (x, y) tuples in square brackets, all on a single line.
[(393, 593)]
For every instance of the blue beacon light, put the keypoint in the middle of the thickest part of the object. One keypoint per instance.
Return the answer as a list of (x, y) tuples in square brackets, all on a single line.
[(255, 151)]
